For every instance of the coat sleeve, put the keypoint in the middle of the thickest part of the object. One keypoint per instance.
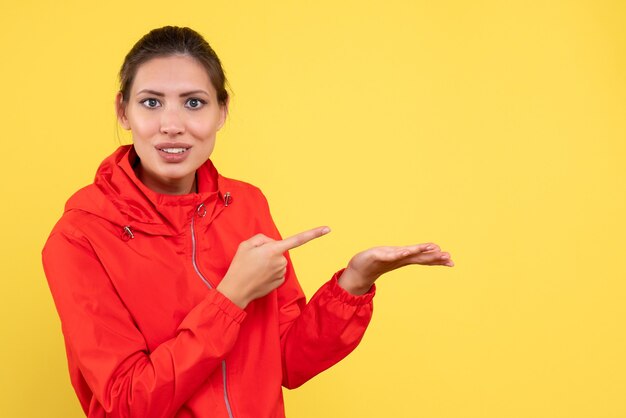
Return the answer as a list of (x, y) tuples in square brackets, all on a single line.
[(316, 335), (320, 333), (115, 368)]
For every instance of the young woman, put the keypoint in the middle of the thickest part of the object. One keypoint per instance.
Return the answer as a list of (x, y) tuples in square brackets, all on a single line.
[(176, 293)]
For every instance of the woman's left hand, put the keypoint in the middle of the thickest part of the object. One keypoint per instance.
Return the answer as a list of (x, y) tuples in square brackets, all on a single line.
[(367, 266)]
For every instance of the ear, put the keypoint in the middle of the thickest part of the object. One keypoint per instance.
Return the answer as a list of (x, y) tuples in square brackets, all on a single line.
[(120, 110), (223, 113)]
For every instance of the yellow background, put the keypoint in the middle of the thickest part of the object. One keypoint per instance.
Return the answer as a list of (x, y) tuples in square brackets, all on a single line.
[(494, 128)]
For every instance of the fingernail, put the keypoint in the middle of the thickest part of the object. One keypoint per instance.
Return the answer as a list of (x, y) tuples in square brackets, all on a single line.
[(430, 247), (326, 230)]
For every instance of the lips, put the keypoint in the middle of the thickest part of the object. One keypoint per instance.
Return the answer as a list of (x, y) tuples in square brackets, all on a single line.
[(173, 152)]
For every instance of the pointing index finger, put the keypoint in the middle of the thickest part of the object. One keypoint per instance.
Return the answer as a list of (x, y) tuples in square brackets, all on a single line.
[(301, 238)]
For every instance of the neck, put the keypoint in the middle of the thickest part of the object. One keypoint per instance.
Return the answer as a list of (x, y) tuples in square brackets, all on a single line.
[(181, 186)]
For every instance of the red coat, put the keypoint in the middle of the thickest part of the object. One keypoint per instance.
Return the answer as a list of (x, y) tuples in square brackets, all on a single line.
[(133, 276)]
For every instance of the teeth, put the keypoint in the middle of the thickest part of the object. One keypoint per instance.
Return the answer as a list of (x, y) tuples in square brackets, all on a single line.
[(173, 150)]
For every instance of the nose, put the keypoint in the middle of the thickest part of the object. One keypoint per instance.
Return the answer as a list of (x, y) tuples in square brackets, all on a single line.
[(172, 123)]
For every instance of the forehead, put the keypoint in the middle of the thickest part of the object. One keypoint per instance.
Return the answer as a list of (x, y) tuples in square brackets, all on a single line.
[(172, 74)]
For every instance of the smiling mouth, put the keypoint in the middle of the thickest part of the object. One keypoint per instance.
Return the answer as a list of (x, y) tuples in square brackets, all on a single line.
[(174, 150), (173, 147)]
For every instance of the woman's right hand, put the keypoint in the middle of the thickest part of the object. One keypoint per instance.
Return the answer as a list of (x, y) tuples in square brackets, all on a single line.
[(259, 266)]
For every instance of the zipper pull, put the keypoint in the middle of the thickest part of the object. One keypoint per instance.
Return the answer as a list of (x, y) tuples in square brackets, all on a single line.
[(201, 210), (127, 234), (227, 199)]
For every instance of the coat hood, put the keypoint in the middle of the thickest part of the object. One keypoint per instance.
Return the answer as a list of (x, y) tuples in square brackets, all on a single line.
[(118, 196)]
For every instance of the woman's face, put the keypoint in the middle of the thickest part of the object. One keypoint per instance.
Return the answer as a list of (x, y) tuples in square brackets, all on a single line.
[(173, 114)]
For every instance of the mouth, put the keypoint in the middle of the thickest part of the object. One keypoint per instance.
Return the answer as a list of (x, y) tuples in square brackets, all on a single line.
[(173, 152), (173, 148)]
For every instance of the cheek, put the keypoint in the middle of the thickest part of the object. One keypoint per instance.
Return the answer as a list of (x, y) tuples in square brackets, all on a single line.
[(203, 127), (144, 127)]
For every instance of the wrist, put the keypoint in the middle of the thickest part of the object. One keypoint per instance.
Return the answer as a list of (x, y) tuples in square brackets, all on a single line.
[(352, 282), (235, 295)]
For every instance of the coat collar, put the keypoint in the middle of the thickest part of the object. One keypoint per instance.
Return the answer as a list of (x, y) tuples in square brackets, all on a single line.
[(121, 198)]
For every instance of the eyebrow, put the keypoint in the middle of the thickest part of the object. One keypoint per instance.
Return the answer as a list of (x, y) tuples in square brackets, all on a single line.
[(160, 94)]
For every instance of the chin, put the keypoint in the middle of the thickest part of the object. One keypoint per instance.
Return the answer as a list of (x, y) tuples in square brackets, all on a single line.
[(176, 175), (171, 171)]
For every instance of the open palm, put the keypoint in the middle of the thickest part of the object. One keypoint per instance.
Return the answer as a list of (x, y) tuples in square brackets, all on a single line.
[(367, 266)]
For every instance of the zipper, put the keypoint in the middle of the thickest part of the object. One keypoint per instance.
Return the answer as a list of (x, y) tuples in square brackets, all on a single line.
[(201, 213), (230, 412), (193, 253)]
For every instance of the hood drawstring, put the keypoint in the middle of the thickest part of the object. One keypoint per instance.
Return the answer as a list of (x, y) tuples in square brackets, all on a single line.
[(127, 233)]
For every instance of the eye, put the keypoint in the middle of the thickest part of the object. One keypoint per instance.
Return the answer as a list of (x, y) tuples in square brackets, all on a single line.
[(150, 103), (194, 103)]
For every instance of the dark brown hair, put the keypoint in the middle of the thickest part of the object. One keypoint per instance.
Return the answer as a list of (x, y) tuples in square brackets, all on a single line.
[(173, 40)]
